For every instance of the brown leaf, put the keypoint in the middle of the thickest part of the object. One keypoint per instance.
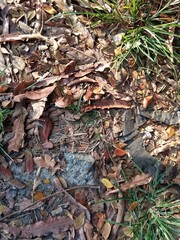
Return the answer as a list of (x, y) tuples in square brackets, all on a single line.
[(29, 161), (5, 173), (107, 104), (48, 159), (139, 180), (41, 162), (18, 128), (47, 129), (22, 86), (63, 102), (35, 95), (147, 101), (16, 183), (41, 228)]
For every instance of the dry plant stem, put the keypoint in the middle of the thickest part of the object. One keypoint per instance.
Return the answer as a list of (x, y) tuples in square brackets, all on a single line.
[(119, 217), (47, 197), (72, 200), (22, 37)]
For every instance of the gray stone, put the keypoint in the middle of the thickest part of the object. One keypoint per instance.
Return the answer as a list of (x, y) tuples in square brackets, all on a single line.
[(79, 169)]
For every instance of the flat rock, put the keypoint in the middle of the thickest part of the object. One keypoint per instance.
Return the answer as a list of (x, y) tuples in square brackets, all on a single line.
[(79, 169)]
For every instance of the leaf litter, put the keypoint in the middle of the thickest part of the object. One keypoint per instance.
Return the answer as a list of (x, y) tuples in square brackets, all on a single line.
[(76, 125)]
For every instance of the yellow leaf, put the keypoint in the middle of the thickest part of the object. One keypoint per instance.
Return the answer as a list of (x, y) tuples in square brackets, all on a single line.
[(46, 181), (49, 9), (127, 231), (79, 221), (106, 229), (106, 183), (3, 208), (171, 132), (118, 51)]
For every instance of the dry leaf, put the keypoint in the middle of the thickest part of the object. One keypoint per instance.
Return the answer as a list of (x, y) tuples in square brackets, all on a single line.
[(38, 108), (63, 102), (38, 195), (120, 152), (127, 231), (101, 220), (106, 229), (16, 183), (106, 183), (29, 161), (18, 129), (139, 180), (147, 101), (41, 162), (170, 131), (132, 206), (49, 9), (35, 95), (5, 173), (79, 221), (48, 159)]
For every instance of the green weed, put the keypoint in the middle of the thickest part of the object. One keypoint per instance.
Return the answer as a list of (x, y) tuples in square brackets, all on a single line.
[(3, 115), (156, 215), (146, 31)]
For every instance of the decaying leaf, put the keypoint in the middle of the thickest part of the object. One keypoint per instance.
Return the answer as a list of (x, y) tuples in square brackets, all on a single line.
[(139, 180), (18, 129), (79, 221), (106, 183)]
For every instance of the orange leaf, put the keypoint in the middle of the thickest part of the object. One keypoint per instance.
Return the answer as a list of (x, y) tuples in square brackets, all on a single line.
[(49, 9), (3, 89), (133, 206), (171, 132), (147, 101), (38, 195), (120, 152)]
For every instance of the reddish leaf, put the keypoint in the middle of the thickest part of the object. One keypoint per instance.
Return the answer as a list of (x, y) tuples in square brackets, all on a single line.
[(107, 104), (29, 161), (48, 126), (120, 152), (22, 86)]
